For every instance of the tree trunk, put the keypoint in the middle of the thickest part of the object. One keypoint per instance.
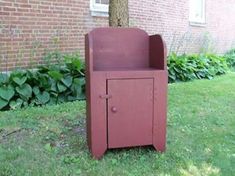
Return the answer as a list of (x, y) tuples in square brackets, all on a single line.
[(118, 13)]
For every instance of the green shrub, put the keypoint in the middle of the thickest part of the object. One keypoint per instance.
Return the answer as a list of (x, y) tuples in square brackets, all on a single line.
[(49, 84), (230, 58), (189, 67)]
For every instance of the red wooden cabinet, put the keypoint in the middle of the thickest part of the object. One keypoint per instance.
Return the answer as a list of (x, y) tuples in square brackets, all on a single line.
[(126, 89)]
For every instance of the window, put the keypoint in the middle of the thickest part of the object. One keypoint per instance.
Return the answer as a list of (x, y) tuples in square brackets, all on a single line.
[(197, 11), (99, 7)]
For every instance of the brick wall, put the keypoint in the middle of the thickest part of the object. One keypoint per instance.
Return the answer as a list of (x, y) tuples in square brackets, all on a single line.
[(221, 23), (171, 19), (168, 18), (30, 28)]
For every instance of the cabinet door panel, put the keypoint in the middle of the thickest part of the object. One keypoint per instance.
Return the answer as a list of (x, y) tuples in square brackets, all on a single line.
[(130, 112)]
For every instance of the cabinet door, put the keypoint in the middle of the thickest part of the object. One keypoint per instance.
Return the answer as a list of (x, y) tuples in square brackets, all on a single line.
[(130, 112)]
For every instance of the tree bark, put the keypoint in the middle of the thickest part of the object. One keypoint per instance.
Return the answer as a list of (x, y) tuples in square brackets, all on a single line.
[(118, 13)]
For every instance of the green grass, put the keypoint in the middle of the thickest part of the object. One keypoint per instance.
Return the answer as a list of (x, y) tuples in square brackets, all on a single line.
[(200, 139)]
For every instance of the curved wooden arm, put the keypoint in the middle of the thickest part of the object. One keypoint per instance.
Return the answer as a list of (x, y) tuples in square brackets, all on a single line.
[(157, 52)]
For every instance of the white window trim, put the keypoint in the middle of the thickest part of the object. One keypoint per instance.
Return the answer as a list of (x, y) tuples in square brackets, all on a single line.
[(98, 9), (198, 21)]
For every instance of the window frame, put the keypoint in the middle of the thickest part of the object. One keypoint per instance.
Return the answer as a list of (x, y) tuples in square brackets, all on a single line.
[(198, 21), (98, 9)]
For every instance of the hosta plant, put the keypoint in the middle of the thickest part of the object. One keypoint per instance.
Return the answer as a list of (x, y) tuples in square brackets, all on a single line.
[(196, 66), (48, 84)]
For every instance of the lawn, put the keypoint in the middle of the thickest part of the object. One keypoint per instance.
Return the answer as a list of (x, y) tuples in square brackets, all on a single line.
[(200, 139)]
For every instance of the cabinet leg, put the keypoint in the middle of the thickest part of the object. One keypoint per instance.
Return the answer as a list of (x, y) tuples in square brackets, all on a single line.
[(97, 153), (160, 145)]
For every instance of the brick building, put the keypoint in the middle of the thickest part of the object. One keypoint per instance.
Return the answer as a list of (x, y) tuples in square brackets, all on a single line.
[(30, 28)]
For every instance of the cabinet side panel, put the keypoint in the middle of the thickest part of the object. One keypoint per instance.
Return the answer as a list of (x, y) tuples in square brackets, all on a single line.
[(96, 107), (160, 111), (97, 121), (88, 96), (157, 52)]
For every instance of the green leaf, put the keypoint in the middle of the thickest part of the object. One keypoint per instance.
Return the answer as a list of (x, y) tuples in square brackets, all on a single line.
[(78, 171), (114, 161), (36, 90), (77, 97), (82, 96), (25, 90), (43, 97), (53, 100), (3, 103), (4, 78), (7, 92), (76, 89), (16, 104), (53, 85), (82, 81), (54, 94), (55, 75), (67, 81), (19, 80), (77, 64), (61, 99), (72, 98), (25, 104), (61, 87), (33, 102), (48, 147), (43, 80)]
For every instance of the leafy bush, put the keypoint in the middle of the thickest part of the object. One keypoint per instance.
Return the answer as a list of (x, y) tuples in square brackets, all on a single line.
[(189, 67), (49, 84), (230, 58)]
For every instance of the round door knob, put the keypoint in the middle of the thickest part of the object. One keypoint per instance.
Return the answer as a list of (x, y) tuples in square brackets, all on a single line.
[(114, 109)]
